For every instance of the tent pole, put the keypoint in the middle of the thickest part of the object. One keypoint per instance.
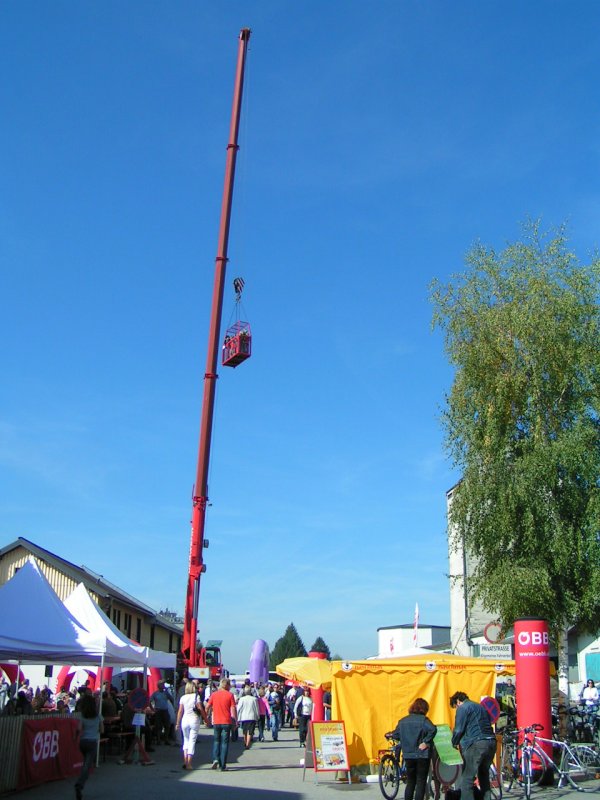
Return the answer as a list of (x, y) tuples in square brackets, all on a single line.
[(100, 708)]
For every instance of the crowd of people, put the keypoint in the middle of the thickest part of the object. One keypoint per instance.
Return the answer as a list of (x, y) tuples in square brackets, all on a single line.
[(23, 699), (257, 709)]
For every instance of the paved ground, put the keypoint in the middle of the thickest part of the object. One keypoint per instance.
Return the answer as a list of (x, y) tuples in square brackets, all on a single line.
[(268, 771)]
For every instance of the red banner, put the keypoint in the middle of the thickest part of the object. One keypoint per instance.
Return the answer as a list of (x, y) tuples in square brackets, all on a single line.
[(49, 751)]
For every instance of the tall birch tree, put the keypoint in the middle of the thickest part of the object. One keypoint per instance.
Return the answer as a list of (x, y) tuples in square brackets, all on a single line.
[(522, 422)]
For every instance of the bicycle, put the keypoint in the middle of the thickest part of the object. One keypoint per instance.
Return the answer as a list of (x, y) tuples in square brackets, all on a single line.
[(444, 776), (576, 759), (529, 764), (391, 769)]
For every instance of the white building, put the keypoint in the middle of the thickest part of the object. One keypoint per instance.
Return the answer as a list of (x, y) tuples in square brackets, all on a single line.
[(468, 619), (395, 641)]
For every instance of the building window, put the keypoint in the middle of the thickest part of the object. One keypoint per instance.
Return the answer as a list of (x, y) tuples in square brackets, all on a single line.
[(170, 642), (117, 617), (152, 629), (127, 624), (138, 630)]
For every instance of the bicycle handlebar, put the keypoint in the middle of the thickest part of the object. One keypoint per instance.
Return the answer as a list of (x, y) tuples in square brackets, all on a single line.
[(531, 728)]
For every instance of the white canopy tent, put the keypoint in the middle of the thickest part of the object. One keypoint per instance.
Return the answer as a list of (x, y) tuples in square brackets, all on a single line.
[(36, 626), (84, 609)]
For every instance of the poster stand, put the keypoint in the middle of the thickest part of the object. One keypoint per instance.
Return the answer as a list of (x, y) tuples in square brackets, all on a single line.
[(326, 744), (136, 752), (137, 701)]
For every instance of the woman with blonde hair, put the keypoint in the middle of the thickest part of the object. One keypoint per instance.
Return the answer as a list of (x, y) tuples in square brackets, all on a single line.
[(248, 714), (189, 713)]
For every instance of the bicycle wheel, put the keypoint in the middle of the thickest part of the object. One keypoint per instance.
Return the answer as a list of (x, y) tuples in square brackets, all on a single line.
[(495, 783), (389, 776), (588, 758), (535, 767), (526, 773), (508, 765)]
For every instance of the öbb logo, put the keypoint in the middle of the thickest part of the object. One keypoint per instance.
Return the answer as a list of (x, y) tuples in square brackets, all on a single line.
[(45, 745), (533, 637)]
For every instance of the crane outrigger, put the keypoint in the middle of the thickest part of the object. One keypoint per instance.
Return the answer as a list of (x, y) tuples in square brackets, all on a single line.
[(191, 654)]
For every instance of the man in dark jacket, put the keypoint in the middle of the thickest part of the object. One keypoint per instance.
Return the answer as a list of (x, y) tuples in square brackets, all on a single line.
[(474, 733)]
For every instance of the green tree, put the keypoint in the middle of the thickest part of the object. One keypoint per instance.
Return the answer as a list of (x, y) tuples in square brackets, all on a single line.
[(289, 645), (522, 422), (320, 647)]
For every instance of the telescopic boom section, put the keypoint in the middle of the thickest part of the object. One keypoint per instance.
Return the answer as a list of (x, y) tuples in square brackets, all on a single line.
[(200, 498)]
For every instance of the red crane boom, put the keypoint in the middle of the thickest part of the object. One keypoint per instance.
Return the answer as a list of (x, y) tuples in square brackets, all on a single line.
[(200, 495)]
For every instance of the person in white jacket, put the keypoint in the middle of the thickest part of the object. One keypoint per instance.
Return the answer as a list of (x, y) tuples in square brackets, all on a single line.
[(248, 713), (303, 711), (589, 695)]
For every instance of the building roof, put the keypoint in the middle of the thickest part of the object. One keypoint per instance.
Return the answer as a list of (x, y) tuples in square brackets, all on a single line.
[(91, 580), (407, 625)]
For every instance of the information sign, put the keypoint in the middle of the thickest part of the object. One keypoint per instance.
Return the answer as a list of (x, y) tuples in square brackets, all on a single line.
[(496, 651), (330, 752)]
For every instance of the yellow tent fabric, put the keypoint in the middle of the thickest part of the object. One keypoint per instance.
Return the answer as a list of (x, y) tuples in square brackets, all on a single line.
[(310, 672), (371, 696)]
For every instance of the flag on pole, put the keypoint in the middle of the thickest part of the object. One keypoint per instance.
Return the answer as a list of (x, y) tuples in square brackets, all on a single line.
[(416, 626)]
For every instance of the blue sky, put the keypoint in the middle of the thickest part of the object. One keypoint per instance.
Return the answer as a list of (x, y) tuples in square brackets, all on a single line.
[(379, 141)]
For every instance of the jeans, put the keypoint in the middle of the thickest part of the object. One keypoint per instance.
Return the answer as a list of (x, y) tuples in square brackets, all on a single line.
[(261, 727), (88, 749), (274, 724), (478, 759), (163, 724), (416, 778), (221, 744)]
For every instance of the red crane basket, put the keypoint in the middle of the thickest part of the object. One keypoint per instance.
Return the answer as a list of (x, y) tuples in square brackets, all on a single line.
[(237, 346)]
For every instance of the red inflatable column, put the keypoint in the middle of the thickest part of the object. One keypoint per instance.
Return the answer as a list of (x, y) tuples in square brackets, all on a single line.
[(532, 664), (318, 714), (64, 678), (103, 676)]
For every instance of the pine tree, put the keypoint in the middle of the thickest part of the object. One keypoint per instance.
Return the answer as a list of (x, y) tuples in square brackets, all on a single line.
[(320, 647), (290, 645)]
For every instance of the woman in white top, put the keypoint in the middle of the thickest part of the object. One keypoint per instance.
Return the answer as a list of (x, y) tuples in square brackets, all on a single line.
[(303, 711), (589, 696), (248, 714), (189, 712)]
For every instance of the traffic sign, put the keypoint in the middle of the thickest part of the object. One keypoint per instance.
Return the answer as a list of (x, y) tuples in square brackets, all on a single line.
[(492, 632), (138, 699), (492, 706)]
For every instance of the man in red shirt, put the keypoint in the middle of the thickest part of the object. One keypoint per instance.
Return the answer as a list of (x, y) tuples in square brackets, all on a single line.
[(224, 714)]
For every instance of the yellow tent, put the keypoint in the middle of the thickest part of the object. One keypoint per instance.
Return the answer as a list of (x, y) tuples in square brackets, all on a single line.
[(371, 696)]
